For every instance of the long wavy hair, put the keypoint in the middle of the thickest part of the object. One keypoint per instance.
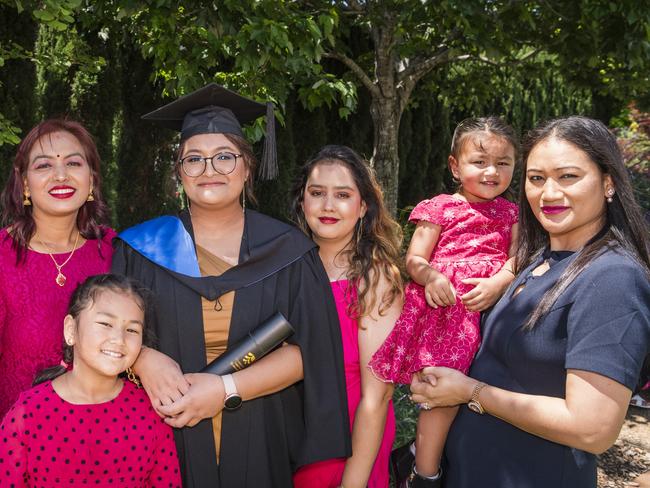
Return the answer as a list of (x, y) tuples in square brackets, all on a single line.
[(84, 296), (374, 251), (91, 217), (624, 225)]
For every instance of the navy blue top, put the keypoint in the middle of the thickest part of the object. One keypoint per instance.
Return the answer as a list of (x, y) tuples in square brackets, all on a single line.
[(601, 323)]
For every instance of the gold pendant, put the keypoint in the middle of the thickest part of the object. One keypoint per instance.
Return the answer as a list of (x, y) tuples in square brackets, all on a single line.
[(60, 279)]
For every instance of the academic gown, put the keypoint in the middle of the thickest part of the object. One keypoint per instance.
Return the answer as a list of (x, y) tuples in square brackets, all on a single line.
[(279, 270)]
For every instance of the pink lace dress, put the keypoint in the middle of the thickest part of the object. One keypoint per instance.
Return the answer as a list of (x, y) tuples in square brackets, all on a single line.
[(473, 243), (328, 474), (32, 308)]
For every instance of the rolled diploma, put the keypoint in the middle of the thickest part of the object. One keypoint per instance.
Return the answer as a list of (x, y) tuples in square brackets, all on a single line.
[(259, 342)]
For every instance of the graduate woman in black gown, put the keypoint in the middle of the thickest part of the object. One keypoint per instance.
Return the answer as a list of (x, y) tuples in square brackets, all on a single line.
[(563, 348), (218, 270)]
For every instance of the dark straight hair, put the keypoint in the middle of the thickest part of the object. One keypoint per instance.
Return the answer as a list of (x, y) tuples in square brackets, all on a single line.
[(624, 226), (491, 124), (84, 296)]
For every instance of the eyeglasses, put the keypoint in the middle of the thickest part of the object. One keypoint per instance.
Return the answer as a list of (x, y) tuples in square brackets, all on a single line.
[(223, 163)]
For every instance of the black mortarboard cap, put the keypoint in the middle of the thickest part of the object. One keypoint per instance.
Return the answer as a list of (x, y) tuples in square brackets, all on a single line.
[(214, 109)]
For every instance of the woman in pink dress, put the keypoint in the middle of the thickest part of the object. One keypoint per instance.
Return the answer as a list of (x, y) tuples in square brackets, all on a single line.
[(456, 261), (53, 240), (337, 201)]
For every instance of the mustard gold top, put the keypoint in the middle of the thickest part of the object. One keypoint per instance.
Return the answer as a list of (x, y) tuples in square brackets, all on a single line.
[(216, 321)]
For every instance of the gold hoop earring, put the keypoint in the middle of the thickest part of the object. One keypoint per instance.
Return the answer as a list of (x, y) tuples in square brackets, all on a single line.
[(132, 377)]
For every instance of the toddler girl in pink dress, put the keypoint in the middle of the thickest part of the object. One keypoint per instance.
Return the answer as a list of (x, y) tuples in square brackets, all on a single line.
[(456, 261)]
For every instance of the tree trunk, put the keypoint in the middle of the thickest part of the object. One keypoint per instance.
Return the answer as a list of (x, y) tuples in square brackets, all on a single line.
[(385, 158)]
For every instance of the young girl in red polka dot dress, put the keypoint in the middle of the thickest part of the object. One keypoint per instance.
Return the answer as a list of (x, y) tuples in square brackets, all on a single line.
[(456, 261), (85, 425)]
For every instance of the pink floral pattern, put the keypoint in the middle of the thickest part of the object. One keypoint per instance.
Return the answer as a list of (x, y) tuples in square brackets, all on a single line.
[(32, 308), (473, 243)]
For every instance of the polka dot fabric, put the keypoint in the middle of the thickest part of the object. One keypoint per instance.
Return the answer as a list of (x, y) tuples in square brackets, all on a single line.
[(473, 243), (48, 442)]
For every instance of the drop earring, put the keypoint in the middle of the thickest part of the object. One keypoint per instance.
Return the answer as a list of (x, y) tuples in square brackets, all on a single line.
[(26, 201), (359, 230), (91, 197), (610, 195), (243, 200), (185, 202)]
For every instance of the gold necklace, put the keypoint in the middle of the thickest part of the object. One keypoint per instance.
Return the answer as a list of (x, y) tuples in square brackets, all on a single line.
[(60, 277)]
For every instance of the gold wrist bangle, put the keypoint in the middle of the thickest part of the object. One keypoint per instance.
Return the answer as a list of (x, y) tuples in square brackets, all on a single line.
[(474, 404)]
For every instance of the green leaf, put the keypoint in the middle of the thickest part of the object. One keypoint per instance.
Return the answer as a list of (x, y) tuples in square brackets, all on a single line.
[(43, 15)]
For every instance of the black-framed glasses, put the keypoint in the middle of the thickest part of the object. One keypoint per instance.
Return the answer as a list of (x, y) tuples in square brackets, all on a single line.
[(223, 163)]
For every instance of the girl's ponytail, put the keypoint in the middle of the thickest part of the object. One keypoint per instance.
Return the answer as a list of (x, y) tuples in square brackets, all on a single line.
[(56, 371)]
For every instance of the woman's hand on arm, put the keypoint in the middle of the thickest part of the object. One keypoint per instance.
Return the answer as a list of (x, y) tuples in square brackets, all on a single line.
[(274, 372), (203, 400), (438, 290), (161, 378), (370, 416), (206, 394), (589, 418)]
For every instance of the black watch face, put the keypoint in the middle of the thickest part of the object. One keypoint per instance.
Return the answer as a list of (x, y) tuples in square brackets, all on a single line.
[(232, 402)]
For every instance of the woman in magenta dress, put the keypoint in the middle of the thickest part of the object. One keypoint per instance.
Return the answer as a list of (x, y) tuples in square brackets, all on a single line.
[(82, 424), (54, 238), (456, 261), (337, 201)]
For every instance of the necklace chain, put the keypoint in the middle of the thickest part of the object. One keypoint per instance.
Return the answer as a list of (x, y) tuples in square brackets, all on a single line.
[(60, 277)]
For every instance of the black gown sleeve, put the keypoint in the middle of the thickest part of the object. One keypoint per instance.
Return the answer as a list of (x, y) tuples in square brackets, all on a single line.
[(326, 423)]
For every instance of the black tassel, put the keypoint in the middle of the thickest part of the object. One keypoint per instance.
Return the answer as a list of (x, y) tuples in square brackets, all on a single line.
[(269, 165)]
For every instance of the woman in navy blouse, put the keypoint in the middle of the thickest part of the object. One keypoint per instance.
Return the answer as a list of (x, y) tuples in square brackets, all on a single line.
[(563, 348)]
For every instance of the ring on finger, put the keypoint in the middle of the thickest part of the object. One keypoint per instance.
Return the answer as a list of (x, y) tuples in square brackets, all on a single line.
[(425, 406)]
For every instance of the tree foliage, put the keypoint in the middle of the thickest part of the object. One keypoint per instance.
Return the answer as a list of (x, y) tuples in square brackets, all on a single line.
[(389, 77)]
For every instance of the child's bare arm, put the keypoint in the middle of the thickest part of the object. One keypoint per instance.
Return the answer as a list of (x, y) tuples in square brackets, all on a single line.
[(439, 291)]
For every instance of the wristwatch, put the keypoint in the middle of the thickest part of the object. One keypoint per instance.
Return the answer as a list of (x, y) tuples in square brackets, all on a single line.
[(474, 404), (233, 400)]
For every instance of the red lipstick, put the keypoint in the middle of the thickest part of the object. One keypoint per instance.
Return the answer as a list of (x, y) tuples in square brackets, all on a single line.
[(553, 209), (328, 220), (62, 192)]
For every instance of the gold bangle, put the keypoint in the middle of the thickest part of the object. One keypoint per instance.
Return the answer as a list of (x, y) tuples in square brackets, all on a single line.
[(474, 404)]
